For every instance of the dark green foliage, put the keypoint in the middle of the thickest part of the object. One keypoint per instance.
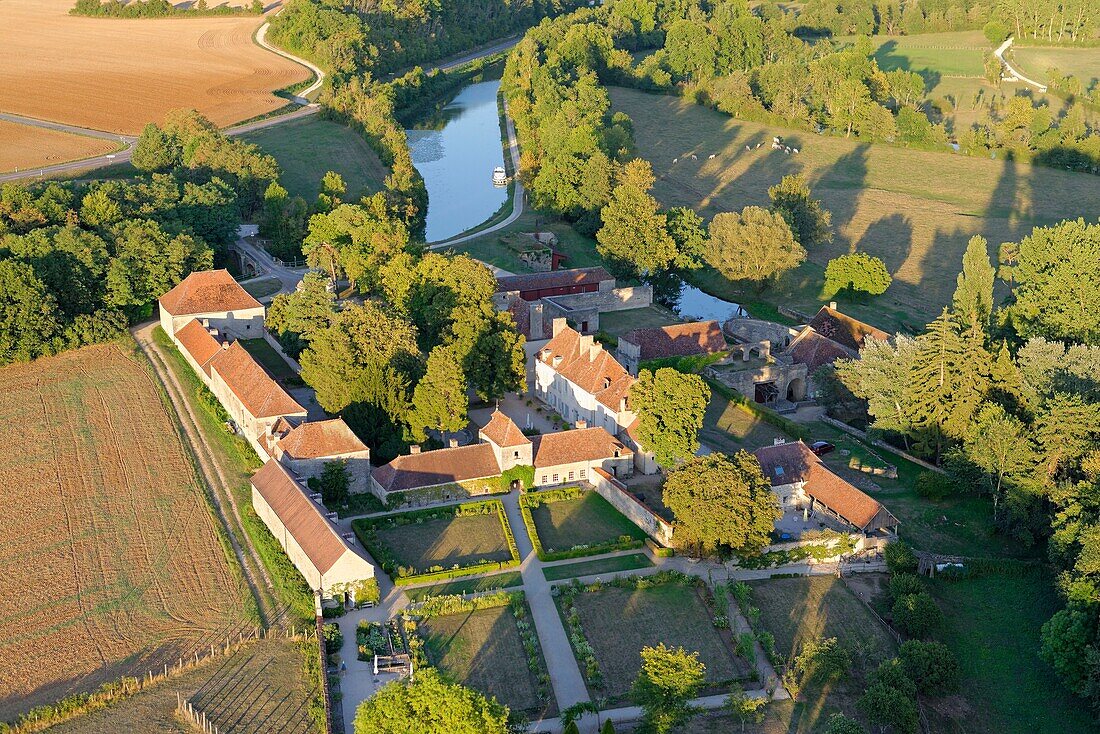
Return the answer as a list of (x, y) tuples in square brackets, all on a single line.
[(810, 222), (890, 699), (903, 584), (670, 407), (934, 486), (931, 666), (841, 724), (158, 9), (858, 273), (900, 558), (608, 727), (571, 728), (295, 318), (917, 614), (334, 482)]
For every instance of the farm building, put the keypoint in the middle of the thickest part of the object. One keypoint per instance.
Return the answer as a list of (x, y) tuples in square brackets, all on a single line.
[(533, 286), (803, 483), (329, 565), (830, 335), (556, 458), (216, 301), (582, 381), (678, 340), (306, 447)]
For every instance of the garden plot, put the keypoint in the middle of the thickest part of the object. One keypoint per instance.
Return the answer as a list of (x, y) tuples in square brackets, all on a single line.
[(576, 518), (616, 620)]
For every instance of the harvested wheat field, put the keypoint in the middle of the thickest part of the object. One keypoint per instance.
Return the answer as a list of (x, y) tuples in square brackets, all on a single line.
[(112, 560), (24, 146), (118, 74)]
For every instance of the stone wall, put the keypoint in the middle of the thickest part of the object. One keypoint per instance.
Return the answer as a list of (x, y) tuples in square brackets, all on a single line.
[(613, 299), (633, 508), (757, 330)]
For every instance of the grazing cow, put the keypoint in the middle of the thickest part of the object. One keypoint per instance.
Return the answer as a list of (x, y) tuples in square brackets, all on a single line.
[(710, 156), (675, 159), (694, 157)]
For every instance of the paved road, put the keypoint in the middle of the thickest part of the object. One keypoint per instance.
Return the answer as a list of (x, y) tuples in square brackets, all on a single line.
[(1013, 70), (517, 198), (302, 97), (268, 267), (474, 56)]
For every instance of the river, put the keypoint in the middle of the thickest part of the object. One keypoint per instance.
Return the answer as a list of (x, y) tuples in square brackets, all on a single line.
[(457, 162)]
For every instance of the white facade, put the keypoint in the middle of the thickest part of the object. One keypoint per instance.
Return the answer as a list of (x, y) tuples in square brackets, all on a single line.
[(245, 323)]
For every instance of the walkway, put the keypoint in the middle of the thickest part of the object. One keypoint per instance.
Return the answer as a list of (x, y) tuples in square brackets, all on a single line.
[(302, 97), (1013, 71)]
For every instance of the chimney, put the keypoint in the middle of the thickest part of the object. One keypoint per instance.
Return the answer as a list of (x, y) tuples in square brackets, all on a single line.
[(535, 321), (414, 449), (832, 305), (453, 443), (585, 345), (581, 423), (557, 326), (778, 441)]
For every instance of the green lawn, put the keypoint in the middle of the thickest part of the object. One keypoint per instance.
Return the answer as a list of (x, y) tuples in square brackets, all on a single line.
[(448, 541), (504, 580), (993, 628), (597, 566), (581, 251), (308, 148), (1083, 63), (271, 361), (933, 55), (618, 623), (618, 323), (728, 427), (914, 209), (587, 520), (484, 650), (263, 288)]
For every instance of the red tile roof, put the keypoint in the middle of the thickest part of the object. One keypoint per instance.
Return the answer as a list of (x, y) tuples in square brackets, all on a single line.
[(552, 279), (317, 439), (207, 291), (844, 330), (786, 463), (813, 350), (199, 343), (503, 431), (677, 340), (581, 444), (260, 394), (594, 370), (300, 516), (432, 468)]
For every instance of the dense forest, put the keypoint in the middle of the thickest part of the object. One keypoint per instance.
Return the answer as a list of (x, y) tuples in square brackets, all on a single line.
[(80, 262)]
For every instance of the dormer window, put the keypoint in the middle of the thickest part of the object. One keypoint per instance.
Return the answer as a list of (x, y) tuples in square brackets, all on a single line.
[(606, 382), (778, 471)]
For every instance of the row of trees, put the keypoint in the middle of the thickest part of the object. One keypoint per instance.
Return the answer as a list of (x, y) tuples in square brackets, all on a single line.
[(1007, 398), (79, 262), (160, 9)]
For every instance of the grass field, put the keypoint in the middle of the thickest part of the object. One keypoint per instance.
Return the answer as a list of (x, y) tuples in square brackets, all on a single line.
[(580, 250), (269, 359), (263, 288), (119, 564), (586, 520), (600, 565), (506, 580), (728, 427), (255, 689), (25, 146), (914, 209), (117, 75), (484, 650), (308, 148), (618, 323), (933, 55), (446, 542), (1083, 63), (618, 623), (993, 628)]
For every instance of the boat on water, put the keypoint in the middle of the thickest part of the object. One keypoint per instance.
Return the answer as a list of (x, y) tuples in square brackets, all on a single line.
[(500, 176)]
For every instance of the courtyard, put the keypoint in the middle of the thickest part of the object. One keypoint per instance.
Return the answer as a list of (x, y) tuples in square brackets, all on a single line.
[(587, 520)]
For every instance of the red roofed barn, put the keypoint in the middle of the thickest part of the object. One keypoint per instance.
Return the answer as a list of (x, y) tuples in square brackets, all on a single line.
[(217, 301)]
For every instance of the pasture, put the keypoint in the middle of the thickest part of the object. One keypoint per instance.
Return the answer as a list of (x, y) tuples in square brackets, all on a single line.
[(933, 55), (25, 146), (308, 148), (1035, 61), (619, 622), (483, 649), (914, 209), (113, 560), (585, 520), (116, 75), (257, 688)]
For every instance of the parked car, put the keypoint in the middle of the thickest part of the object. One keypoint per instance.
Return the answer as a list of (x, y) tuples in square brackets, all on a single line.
[(820, 448)]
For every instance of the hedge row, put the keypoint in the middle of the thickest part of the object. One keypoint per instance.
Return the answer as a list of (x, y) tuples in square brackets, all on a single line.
[(534, 499)]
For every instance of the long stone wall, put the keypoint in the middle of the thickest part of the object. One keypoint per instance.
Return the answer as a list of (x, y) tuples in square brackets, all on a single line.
[(622, 500)]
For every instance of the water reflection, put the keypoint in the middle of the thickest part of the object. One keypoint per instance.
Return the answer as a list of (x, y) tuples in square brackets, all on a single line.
[(696, 305), (457, 162)]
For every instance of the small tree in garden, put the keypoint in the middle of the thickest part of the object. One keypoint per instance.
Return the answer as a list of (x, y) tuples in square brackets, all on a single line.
[(722, 501), (668, 680), (900, 558), (745, 709), (335, 483), (670, 407), (841, 724), (571, 728), (931, 665), (858, 273), (439, 707), (890, 700), (608, 727), (917, 614)]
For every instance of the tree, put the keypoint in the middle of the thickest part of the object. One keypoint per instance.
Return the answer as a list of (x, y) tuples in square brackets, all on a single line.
[(881, 377), (691, 49), (668, 680), (755, 245), (889, 700), (571, 728), (810, 222), (356, 240), (608, 727), (686, 229), (973, 299), (670, 407), (332, 191), (29, 319), (634, 232), (294, 318), (720, 500), (156, 150), (437, 706), (848, 105), (917, 614), (439, 400), (999, 444), (746, 709), (1057, 276), (148, 262), (857, 272), (841, 724), (334, 483), (899, 558), (1066, 640), (931, 666)]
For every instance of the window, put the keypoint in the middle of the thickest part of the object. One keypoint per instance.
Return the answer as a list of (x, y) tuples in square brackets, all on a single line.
[(584, 473), (555, 479), (778, 471), (570, 476), (515, 454), (543, 479)]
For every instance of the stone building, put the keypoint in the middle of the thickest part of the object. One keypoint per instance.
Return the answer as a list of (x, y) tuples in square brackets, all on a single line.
[(697, 338), (831, 335), (305, 448), (313, 543), (217, 301)]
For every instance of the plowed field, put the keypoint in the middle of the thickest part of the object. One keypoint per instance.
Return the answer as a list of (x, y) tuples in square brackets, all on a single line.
[(111, 560), (24, 146), (118, 74)]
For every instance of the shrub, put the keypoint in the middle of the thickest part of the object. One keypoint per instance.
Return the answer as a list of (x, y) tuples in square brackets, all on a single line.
[(934, 486), (917, 614), (931, 666), (820, 661), (890, 699), (841, 724), (900, 558), (904, 584), (334, 639)]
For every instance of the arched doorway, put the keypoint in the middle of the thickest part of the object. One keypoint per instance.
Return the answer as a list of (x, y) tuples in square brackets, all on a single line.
[(796, 390)]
